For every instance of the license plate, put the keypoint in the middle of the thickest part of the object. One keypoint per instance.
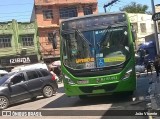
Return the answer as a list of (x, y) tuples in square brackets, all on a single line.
[(99, 91), (82, 81)]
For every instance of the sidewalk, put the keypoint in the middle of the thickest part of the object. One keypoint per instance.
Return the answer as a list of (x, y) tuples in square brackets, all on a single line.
[(154, 91)]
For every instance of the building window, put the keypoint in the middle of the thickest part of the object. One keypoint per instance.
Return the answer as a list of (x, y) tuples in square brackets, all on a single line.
[(135, 26), (143, 27), (5, 41), (68, 12), (52, 39), (27, 40), (48, 14), (152, 27), (87, 10)]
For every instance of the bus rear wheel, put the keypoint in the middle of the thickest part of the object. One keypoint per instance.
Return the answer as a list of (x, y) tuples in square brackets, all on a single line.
[(129, 94)]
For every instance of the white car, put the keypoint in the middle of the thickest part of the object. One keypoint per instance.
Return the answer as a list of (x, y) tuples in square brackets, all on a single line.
[(30, 66), (3, 72)]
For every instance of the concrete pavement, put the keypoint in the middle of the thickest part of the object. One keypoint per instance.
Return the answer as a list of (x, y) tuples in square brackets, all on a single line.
[(154, 92)]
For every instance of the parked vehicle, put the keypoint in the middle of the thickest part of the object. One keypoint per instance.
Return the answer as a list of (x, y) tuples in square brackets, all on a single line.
[(3, 72), (26, 84), (150, 50)]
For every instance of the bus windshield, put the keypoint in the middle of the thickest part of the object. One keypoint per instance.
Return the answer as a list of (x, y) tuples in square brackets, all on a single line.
[(102, 47)]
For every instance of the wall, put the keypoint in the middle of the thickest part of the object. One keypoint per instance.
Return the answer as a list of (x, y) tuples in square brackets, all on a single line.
[(50, 25), (139, 19), (16, 30)]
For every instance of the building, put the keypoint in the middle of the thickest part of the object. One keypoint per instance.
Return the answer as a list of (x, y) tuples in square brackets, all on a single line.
[(49, 13), (18, 43), (143, 24), (157, 9)]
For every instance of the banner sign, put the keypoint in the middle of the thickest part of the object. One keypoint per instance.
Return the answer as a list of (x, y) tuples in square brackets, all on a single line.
[(18, 60), (38, 113)]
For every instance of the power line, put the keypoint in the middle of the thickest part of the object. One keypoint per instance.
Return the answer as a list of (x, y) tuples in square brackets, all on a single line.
[(54, 13), (15, 12), (15, 16), (124, 2), (16, 4), (25, 17)]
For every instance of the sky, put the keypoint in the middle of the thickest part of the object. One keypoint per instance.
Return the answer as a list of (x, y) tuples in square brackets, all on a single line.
[(21, 9)]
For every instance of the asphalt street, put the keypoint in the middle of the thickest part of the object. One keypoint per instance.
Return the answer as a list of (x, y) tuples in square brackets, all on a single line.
[(62, 107)]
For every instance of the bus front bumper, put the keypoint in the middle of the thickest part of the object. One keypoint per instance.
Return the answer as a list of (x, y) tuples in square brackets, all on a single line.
[(105, 88)]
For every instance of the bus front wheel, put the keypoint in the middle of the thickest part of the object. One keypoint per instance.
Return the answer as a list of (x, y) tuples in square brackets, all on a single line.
[(130, 93), (83, 97)]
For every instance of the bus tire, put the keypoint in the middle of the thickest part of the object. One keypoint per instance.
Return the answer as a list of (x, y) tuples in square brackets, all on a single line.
[(83, 97), (130, 93)]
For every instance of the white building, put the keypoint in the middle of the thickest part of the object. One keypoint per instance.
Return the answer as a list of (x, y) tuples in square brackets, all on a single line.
[(143, 24), (157, 8)]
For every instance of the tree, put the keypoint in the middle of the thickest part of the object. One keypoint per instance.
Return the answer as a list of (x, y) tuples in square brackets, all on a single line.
[(133, 7)]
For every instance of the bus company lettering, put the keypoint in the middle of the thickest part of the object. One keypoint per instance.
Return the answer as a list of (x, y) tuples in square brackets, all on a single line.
[(106, 79), (84, 60), (114, 59), (20, 60)]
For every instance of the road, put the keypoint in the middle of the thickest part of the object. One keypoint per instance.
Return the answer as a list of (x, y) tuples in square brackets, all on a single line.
[(60, 102)]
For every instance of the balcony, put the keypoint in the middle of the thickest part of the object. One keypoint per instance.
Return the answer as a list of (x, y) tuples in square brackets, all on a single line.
[(63, 2)]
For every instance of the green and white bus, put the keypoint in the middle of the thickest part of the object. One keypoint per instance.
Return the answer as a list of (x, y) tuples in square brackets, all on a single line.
[(97, 55)]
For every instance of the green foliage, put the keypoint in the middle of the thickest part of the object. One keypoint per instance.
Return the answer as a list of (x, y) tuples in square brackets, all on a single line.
[(133, 7)]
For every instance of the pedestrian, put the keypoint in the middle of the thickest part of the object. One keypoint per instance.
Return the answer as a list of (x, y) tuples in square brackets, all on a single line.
[(54, 74), (57, 71), (149, 67), (51, 71), (156, 65)]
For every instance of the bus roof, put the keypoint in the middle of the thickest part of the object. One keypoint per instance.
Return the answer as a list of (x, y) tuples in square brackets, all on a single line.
[(92, 15)]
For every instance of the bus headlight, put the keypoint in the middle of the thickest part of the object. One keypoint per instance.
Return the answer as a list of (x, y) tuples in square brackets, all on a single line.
[(127, 74), (69, 80)]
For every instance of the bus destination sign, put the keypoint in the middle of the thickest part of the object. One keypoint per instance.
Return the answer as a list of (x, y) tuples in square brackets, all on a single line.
[(101, 20)]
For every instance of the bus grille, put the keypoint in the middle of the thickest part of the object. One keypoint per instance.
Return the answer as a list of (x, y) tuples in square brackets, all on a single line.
[(90, 89)]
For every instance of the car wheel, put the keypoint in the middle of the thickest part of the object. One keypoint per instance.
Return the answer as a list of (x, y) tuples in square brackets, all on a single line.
[(48, 91), (4, 102)]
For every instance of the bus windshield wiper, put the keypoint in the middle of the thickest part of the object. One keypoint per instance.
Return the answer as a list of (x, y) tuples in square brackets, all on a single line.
[(82, 36), (104, 36)]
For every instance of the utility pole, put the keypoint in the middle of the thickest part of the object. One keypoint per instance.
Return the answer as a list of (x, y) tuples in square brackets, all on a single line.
[(108, 4), (155, 28), (105, 9)]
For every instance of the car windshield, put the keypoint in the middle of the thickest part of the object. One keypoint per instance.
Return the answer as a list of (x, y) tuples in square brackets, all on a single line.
[(4, 78), (96, 48)]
